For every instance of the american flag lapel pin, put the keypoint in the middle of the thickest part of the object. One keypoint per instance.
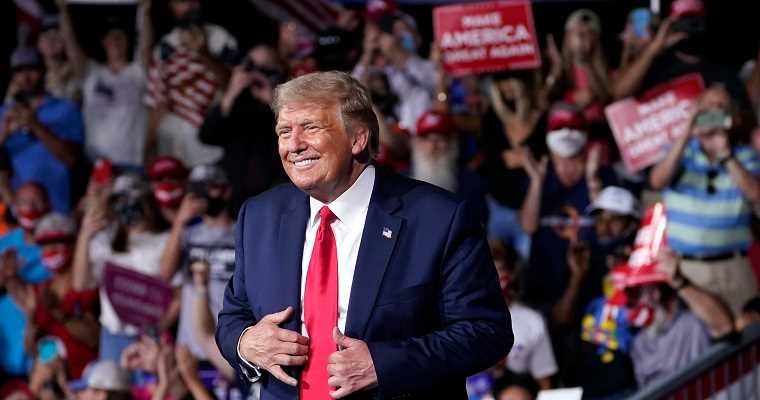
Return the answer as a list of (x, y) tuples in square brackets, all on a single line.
[(387, 233)]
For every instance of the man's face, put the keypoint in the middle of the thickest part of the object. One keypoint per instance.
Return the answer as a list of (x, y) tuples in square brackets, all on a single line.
[(27, 79), (181, 8), (116, 44), (315, 148), (569, 170), (610, 226)]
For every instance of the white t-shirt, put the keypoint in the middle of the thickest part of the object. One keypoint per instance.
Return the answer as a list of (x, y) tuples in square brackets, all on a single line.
[(115, 116), (532, 351), (144, 256)]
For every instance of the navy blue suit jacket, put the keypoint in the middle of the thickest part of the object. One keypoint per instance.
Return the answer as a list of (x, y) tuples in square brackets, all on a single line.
[(425, 297)]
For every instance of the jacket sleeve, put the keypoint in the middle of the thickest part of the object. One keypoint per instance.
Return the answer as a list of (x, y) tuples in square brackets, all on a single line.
[(476, 328), (236, 314)]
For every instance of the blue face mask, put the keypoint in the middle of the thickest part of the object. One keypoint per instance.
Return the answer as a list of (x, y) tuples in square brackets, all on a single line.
[(408, 42)]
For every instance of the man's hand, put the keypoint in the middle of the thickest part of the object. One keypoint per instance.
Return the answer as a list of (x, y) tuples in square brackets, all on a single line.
[(578, 260), (665, 38), (536, 170), (271, 347), (351, 368)]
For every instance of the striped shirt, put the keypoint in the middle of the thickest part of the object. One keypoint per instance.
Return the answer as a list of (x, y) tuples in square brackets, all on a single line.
[(707, 212), (180, 80)]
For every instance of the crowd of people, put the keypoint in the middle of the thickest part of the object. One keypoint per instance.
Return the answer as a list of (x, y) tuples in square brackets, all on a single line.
[(143, 159)]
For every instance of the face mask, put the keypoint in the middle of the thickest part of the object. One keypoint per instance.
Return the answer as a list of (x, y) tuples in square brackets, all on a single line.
[(56, 259), (168, 194), (641, 316), (215, 206), (29, 219), (408, 42)]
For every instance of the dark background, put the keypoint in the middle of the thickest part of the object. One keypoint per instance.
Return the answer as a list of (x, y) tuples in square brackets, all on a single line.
[(733, 26)]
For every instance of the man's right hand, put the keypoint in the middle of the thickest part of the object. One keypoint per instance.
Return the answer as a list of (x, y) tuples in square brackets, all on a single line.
[(270, 347)]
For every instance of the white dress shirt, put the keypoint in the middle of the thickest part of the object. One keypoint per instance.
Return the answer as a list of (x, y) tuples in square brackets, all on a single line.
[(350, 208)]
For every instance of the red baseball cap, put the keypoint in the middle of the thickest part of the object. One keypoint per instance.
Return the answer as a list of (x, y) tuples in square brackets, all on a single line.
[(378, 8), (566, 115), (688, 8), (434, 122), (167, 167)]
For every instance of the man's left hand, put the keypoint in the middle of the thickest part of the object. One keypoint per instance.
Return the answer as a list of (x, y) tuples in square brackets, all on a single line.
[(351, 368)]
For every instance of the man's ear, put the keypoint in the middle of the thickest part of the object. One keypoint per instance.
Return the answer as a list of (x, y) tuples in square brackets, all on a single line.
[(360, 141)]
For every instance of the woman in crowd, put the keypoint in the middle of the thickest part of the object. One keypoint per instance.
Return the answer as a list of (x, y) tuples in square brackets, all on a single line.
[(125, 229)]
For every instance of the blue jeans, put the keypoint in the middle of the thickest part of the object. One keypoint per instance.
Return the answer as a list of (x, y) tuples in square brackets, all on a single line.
[(504, 225), (112, 345)]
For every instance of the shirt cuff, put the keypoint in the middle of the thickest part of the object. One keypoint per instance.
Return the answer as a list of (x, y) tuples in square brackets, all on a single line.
[(251, 372)]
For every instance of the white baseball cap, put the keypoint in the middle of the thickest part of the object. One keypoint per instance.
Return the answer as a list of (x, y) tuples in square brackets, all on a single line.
[(102, 375), (616, 200), (566, 142)]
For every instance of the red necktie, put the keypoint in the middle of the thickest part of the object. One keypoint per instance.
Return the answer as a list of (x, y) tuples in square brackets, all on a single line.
[(320, 307)]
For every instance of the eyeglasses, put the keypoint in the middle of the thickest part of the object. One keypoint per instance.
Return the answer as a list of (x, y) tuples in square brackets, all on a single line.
[(711, 175)]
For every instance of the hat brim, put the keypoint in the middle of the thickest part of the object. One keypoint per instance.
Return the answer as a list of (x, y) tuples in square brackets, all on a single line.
[(77, 385)]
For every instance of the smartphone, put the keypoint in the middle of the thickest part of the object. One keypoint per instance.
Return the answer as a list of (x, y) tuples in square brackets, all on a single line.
[(713, 120), (641, 20), (48, 348), (102, 172)]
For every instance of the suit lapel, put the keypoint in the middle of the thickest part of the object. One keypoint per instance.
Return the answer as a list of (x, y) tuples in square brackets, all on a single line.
[(290, 241), (381, 230)]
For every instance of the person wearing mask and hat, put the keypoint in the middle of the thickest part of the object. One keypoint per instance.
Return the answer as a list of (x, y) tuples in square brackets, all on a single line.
[(41, 134), (102, 380), (129, 231), (168, 177), (412, 79), (208, 244), (435, 159), (676, 320), (114, 114), (21, 257), (561, 187), (54, 308)]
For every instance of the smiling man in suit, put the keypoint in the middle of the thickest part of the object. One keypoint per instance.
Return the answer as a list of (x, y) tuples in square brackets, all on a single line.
[(352, 282)]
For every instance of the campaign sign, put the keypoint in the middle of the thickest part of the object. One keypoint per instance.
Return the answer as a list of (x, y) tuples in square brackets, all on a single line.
[(644, 127), (486, 37), (650, 240), (138, 299)]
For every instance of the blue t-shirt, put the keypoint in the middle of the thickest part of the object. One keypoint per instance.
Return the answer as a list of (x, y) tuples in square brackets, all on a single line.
[(562, 208), (13, 358), (32, 161)]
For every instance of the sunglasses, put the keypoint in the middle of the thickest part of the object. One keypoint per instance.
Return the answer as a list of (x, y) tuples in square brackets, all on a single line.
[(711, 175)]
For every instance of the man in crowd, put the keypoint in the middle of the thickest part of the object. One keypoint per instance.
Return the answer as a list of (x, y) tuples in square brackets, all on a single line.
[(243, 126), (553, 210), (373, 263), (21, 257), (210, 242), (41, 134), (412, 79), (711, 184), (114, 114), (190, 66), (677, 319), (435, 159)]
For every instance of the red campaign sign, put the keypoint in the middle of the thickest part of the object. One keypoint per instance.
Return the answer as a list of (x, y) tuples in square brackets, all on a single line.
[(486, 37), (650, 239), (644, 127), (138, 299)]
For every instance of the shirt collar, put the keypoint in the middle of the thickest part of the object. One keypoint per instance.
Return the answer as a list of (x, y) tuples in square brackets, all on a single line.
[(349, 206)]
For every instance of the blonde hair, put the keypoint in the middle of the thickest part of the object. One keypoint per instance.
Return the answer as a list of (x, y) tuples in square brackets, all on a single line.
[(333, 87)]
